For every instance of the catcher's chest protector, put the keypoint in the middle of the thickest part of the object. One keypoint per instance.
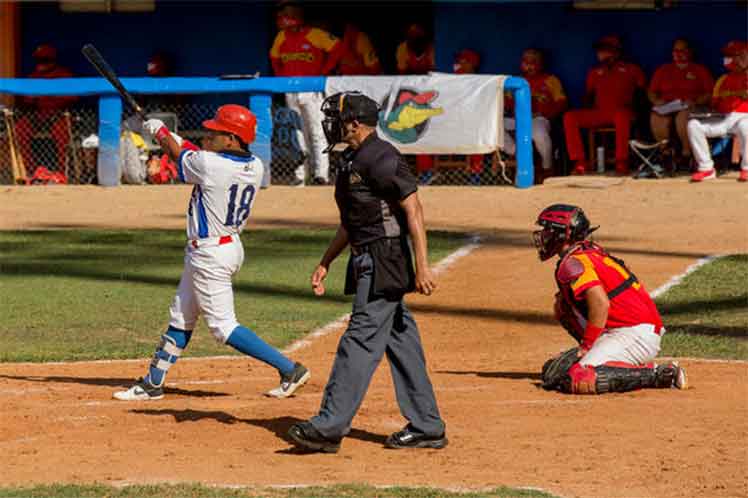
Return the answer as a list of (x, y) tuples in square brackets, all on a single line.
[(569, 270)]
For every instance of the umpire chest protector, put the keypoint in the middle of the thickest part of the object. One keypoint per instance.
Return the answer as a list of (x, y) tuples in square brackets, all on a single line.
[(371, 182)]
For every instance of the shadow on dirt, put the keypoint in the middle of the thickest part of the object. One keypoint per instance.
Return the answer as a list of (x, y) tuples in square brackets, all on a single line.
[(494, 375), (278, 425), (110, 382)]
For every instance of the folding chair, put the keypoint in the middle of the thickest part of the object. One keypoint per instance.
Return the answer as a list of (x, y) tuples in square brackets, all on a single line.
[(651, 157)]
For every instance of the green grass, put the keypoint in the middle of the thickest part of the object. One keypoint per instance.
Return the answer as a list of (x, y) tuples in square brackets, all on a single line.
[(198, 491), (706, 315), (97, 294)]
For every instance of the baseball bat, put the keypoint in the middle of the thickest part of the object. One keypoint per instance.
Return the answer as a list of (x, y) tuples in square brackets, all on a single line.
[(18, 167), (104, 69)]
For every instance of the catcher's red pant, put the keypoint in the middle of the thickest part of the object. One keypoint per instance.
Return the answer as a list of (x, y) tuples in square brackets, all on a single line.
[(593, 118)]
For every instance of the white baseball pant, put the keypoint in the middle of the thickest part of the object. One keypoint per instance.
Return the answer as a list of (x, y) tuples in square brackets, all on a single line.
[(205, 288), (308, 106), (635, 345), (541, 137), (735, 123)]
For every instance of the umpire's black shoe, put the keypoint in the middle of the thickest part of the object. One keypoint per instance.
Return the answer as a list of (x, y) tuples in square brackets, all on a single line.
[(305, 435), (406, 438)]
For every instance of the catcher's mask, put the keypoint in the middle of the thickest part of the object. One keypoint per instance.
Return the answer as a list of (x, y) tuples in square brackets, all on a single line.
[(346, 107), (561, 224)]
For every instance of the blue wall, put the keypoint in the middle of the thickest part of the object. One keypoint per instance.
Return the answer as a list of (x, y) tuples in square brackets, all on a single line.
[(204, 39), (501, 31), (210, 38)]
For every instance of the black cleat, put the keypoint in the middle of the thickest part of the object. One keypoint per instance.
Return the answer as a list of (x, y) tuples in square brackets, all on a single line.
[(305, 435), (406, 438)]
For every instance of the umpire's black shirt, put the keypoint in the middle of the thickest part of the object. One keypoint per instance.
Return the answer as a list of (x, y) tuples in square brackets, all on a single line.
[(371, 182)]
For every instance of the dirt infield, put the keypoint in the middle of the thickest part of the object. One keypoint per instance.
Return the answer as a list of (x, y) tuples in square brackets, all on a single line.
[(486, 331)]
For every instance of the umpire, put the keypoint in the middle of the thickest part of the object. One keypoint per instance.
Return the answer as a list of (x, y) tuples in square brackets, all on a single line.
[(379, 206)]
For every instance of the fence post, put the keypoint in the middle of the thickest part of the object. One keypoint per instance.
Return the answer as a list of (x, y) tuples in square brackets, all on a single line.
[(523, 119), (261, 105), (108, 166)]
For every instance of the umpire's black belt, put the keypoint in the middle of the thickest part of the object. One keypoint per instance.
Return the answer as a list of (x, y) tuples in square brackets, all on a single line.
[(359, 250), (366, 248)]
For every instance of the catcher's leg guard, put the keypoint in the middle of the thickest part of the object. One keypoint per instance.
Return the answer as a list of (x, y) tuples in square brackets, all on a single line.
[(617, 377), (167, 353)]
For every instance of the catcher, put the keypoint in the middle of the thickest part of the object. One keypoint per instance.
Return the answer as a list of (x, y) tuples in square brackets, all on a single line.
[(605, 308)]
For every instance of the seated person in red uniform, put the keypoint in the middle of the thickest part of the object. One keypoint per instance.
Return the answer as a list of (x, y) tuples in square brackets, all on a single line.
[(359, 56), (610, 88), (467, 61), (548, 102), (683, 80), (46, 114), (302, 50), (605, 307), (730, 98)]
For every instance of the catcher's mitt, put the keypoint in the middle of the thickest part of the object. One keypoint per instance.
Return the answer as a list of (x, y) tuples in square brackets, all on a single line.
[(555, 369)]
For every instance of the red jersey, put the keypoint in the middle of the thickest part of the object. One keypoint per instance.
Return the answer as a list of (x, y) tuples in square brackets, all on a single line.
[(51, 103), (359, 56), (689, 83), (304, 52), (410, 63), (731, 93), (588, 265), (614, 87)]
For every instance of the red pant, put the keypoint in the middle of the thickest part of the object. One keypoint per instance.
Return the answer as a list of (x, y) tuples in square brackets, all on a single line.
[(58, 130), (426, 163), (593, 118)]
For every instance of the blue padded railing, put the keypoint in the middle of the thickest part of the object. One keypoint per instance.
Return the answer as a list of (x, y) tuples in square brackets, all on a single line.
[(260, 102)]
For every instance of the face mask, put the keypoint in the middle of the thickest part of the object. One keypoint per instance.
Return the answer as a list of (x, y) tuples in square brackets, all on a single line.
[(528, 67), (730, 63), (680, 56), (285, 21)]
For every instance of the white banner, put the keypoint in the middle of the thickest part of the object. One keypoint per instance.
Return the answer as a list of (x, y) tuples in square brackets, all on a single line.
[(437, 113)]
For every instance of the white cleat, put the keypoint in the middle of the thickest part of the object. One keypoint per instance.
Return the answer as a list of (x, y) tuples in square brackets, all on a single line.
[(291, 383), (140, 392)]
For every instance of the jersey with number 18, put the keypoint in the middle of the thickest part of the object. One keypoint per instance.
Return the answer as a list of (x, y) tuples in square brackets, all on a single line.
[(225, 187)]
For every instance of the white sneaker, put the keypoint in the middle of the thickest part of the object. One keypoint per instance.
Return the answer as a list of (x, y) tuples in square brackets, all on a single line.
[(681, 379), (291, 382), (141, 391)]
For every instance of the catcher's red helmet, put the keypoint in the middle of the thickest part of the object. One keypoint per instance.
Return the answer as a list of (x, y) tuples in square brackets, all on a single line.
[(561, 224), (234, 119)]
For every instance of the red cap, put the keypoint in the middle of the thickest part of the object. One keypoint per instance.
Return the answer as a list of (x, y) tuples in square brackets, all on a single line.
[(610, 42), (234, 119), (468, 55), (45, 51), (735, 47)]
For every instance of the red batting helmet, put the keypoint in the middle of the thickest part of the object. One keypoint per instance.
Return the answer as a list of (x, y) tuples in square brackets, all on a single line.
[(561, 224), (45, 52), (236, 119)]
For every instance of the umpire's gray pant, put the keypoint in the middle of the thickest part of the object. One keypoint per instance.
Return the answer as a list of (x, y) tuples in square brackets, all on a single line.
[(377, 326)]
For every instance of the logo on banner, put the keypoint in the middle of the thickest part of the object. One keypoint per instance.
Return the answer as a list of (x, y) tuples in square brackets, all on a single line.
[(407, 119)]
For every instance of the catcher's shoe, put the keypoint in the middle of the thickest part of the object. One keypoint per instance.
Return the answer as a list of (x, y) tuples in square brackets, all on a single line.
[(743, 175), (306, 436), (291, 382), (701, 176), (681, 379), (141, 391), (406, 438)]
